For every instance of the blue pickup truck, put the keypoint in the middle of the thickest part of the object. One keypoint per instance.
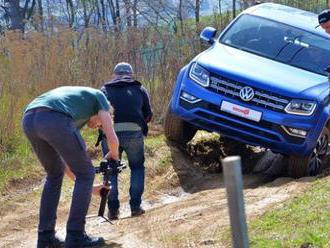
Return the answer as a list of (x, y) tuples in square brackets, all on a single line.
[(264, 82)]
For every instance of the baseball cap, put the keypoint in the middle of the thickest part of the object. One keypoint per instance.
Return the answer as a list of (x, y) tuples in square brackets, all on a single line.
[(324, 16), (123, 68)]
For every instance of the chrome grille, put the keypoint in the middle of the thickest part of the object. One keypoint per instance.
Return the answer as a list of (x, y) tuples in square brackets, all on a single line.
[(261, 98)]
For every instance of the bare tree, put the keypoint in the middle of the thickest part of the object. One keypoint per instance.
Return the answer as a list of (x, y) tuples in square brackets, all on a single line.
[(40, 25), (128, 9), (115, 13), (118, 18), (16, 15), (88, 9), (71, 12), (180, 15), (234, 8), (197, 10), (134, 8), (103, 16)]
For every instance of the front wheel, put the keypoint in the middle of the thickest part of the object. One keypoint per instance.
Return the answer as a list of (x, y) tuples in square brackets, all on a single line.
[(178, 130), (314, 163)]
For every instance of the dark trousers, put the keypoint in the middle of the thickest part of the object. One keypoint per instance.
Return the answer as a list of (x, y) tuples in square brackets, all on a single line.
[(56, 141), (132, 143)]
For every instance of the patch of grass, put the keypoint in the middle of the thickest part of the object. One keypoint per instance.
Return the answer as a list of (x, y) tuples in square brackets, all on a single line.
[(158, 156), (151, 143), (305, 220), (19, 167), (15, 170)]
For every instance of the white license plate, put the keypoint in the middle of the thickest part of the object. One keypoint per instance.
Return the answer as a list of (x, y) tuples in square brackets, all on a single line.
[(241, 111)]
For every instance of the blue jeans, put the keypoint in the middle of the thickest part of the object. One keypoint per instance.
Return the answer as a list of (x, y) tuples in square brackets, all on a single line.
[(132, 143), (55, 140)]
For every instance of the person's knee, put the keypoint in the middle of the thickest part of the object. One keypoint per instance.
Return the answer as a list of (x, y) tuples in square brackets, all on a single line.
[(137, 162), (137, 166), (56, 175)]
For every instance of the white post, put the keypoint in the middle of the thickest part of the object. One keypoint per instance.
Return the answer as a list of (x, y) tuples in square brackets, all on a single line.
[(234, 185)]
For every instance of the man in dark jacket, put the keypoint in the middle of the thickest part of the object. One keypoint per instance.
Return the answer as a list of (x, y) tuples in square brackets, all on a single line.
[(132, 112)]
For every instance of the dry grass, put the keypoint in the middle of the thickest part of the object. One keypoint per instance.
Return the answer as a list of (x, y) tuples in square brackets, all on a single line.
[(41, 62)]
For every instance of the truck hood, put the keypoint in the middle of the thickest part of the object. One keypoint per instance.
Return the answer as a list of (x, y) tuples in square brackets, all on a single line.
[(263, 73)]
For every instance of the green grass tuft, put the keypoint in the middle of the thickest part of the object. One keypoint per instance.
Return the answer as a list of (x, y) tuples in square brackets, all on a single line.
[(303, 220)]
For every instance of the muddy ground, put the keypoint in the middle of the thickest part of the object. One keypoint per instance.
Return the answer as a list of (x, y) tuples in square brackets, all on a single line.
[(186, 205)]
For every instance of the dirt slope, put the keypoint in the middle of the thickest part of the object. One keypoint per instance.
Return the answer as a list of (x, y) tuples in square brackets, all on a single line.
[(186, 207)]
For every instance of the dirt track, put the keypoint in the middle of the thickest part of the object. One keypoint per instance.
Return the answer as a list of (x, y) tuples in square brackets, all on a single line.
[(192, 213)]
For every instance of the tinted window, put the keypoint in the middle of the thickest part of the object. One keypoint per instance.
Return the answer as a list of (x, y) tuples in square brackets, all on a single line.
[(279, 42)]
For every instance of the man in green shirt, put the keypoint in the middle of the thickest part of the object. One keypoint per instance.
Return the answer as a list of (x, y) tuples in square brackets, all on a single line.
[(52, 122)]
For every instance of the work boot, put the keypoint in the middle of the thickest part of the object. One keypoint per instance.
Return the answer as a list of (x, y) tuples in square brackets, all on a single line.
[(78, 239), (48, 239), (137, 212), (113, 214)]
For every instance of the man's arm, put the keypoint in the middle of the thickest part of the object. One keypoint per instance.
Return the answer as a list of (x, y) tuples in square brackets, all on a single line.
[(112, 140), (146, 109)]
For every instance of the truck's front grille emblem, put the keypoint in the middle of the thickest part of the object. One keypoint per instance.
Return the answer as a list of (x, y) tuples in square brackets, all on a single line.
[(240, 91)]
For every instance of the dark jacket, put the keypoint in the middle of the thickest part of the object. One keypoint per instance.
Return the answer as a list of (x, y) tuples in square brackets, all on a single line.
[(130, 101)]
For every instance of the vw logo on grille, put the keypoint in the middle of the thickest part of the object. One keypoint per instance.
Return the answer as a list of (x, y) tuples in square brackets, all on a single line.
[(246, 93)]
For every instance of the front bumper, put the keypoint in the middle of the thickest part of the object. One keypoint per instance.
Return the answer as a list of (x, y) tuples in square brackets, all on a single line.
[(268, 132)]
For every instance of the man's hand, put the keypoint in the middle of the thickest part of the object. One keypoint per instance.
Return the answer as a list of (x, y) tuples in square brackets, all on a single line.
[(97, 189), (112, 140)]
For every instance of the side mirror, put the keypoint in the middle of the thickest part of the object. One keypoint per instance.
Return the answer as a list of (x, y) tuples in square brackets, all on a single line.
[(208, 34)]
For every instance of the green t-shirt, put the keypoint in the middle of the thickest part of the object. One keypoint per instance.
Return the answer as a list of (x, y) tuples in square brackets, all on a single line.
[(80, 103)]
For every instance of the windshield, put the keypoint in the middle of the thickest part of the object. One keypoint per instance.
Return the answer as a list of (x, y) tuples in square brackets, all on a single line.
[(279, 42)]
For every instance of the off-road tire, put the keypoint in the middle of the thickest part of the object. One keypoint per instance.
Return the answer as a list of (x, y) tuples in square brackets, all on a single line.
[(232, 147), (178, 130), (301, 166)]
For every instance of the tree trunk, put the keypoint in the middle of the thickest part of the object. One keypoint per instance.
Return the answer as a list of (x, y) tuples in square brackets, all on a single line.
[(197, 10), (69, 5), (128, 13), (220, 13), (234, 9), (113, 13), (86, 19), (103, 17), (15, 14), (118, 15), (40, 16), (180, 15), (197, 13), (135, 20)]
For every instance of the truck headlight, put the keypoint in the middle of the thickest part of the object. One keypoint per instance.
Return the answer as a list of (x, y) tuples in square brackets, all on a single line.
[(301, 107), (199, 75)]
